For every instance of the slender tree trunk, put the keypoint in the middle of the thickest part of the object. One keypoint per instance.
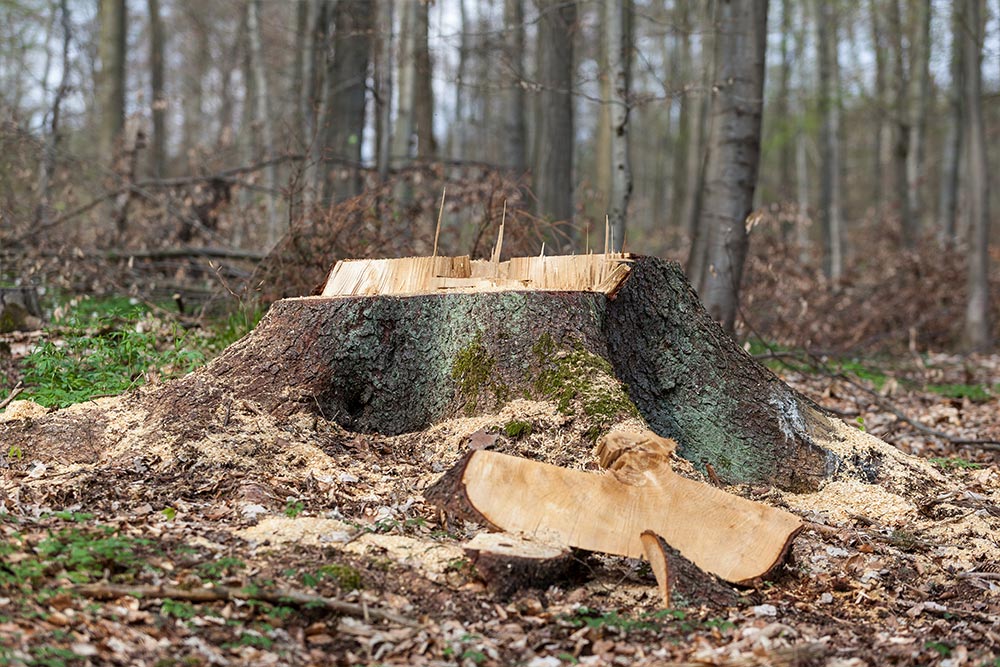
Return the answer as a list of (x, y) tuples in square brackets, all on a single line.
[(603, 138), (403, 136), (684, 142), (345, 119), (423, 104), (921, 102), (830, 160), (696, 161), (783, 109), (314, 96), (383, 83), (296, 82), (264, 118), (802, 93), (43, 213), (553, 151), (734, 151), (158, 150), (882, 130), (458, 130), (978, 335), (198, 60), (111, 51), (901, 111), (617, 21), (515, 123), (951, 160)]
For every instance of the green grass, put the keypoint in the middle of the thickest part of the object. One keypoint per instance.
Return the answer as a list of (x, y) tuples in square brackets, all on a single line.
[(104, 347)]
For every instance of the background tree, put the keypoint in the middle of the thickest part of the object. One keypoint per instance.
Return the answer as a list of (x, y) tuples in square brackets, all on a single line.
[(831, 223), (553, 150), (733, 153), (970, 30), (112, 54)]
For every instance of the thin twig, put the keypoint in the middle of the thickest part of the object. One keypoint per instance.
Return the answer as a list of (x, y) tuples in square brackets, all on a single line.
[(18, 388), (106, 591)]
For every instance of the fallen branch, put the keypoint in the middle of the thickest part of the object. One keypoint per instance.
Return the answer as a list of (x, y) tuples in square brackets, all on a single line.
[(106, 591), (168, 253), (18, 388)]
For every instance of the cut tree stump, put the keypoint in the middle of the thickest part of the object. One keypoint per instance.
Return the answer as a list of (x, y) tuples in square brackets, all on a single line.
[(726, 535), (509, 563), (604, 338)]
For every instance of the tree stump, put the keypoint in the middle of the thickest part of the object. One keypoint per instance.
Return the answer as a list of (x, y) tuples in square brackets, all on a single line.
[(644, 346)]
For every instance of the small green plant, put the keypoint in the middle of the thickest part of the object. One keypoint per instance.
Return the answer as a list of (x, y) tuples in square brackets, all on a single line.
[(178, 609), (955, 463), (974, 392), (515, 430), (477, 657), (293, 508), (942, 649), (15, 453), (169, 513), (217, 569), (861, 423), (345, 576)]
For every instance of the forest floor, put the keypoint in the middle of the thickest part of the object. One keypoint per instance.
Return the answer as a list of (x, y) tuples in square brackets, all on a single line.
[(115, 557)]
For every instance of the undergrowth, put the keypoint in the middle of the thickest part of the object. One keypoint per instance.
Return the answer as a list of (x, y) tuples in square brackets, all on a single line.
[(104, 347)]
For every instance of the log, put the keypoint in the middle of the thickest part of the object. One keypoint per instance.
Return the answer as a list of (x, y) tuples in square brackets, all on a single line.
[(736, 539), (680, 582), (509, 563)]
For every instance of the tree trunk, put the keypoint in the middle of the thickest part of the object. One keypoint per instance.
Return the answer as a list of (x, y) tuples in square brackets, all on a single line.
[(264, 118), (830, 161), (313, 101), (158, 145), (733, 152), (684, 141), (553, 151), (423, 104), (516, 140), (197, 60), (396, 364), (921, 100), (978, 334), (458, 131), (383, 85), (297, 81), (783, 107), (951, 161), (402, 138), (901, 150), (111, 96), (617, 20), (345, 118), (696, 159), (48, 166), (882, 131)]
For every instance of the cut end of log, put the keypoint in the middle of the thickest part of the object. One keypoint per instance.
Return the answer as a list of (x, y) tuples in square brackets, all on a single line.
[(680, 581), (508, 563), (603, 273)]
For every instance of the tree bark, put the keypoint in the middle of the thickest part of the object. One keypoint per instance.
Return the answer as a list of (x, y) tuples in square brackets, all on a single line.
[(515, 122), (158, 145), (553, 151), (951, 160), (48, 166), (197, 60), (383, 83), (684, 143), (978, 334), (882, 132), (345, 117), (314, 96), (111, 50), (403, 134), (733, 153), (901, 118), (697, 158), (920, 105), (264, 117), (423, 105), (618, 17), (830, 161)]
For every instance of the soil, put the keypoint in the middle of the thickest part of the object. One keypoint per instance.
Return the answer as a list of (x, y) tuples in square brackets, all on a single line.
[(882, 574)]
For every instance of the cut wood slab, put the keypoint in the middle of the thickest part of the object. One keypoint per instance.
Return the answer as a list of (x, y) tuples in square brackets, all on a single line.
[(734, 538), (509, 563)]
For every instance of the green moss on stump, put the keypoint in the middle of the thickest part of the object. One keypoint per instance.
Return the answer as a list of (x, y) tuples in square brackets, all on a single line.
[(516, 429), (473, 373)]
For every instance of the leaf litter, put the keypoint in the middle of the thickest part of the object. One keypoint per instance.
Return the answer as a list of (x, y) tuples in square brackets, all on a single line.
[(883, 574)]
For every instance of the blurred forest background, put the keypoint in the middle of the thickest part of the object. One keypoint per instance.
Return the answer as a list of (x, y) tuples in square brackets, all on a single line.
[(182, 150)]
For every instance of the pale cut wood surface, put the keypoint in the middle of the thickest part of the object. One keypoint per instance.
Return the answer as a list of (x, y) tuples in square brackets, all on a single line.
[(425, 275), (734, 538)]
